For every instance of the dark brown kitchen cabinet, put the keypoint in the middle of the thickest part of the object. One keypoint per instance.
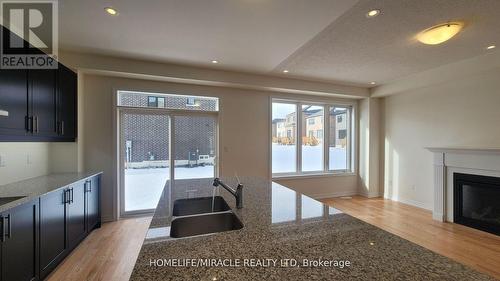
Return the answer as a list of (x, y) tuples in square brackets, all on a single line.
[(66, 125), (42, 94), (76, 227), (19, 243), (13, 103), (38, 104), (92, 191), (53, 243), (67, 216)]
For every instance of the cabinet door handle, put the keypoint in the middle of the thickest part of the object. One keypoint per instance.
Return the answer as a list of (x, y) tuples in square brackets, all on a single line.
[(2, 237), (62, 128), (36, 124), (29, 124), (27, 120), (9, 227), (71, 195)]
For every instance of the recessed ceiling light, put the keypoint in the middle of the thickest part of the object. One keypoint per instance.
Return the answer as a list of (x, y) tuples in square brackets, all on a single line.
[(215, 61), (373, 83), (491, 47), (372, 13), (111, 11), (285, 71), (440, 33)]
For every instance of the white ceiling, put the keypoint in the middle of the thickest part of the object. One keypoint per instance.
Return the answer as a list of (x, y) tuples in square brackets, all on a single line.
[(319, 40), (246, 35)]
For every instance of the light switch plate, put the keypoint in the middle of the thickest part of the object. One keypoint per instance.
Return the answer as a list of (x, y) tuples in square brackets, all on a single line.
[(2, 161)]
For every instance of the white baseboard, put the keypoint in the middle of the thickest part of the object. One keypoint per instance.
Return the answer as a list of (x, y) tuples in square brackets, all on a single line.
[(107, 219), (410, 202), (369, 194)]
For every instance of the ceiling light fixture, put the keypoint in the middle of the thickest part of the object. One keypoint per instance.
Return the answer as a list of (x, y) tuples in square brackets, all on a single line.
[(440, 33), (111, 11), (215, 61), (491, 47), (372, 13), (285, 71), (373, 83)]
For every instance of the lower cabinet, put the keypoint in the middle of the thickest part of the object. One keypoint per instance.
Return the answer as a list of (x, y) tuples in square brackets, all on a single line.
[(53, 244), (75, 216), (19, 242), (67, 216), (93, 203)]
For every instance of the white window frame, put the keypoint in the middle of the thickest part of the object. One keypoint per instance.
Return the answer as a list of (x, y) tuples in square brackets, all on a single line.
[(351, 136)]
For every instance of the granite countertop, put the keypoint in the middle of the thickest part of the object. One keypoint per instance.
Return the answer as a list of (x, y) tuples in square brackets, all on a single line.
[(32, 188), (283, 227)]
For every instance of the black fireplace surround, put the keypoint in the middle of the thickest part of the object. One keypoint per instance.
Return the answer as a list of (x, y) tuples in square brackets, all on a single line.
[(476, 202)]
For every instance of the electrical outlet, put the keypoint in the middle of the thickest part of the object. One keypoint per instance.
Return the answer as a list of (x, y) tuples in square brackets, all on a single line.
[(2, 161), (28, 159)]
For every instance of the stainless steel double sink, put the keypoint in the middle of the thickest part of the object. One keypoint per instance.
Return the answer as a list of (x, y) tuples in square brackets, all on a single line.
[(199, 216)]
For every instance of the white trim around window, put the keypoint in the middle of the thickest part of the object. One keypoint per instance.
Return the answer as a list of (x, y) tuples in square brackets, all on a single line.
[(350, 144)]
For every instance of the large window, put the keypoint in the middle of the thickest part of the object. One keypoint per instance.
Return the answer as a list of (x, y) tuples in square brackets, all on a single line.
[(312, 144), (311, 138)]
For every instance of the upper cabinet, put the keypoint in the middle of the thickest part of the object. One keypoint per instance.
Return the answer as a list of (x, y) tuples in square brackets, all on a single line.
[(66, 103), (38, 105), (13, 103), (42, 106)]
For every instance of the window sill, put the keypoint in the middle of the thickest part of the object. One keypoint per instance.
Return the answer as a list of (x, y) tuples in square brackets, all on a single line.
[(312, 175)]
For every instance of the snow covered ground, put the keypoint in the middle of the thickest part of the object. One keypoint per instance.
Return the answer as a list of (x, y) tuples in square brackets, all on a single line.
[(284, 158), (143, 187)]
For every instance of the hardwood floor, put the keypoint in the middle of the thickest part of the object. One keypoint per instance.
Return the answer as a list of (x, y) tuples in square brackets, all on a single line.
[(108, 253), (477, 249)]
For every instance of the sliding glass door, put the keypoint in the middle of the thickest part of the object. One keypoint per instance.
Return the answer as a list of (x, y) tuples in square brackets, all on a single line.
[(145, 149), (194, 147)]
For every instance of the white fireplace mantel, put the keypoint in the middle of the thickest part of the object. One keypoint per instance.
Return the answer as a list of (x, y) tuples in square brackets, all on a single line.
[(450, 160)]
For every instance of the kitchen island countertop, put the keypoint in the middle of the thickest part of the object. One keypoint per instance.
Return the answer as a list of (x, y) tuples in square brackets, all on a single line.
[(286, 236)]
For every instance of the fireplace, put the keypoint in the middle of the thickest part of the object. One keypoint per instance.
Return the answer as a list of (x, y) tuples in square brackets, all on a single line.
[(476, 201)]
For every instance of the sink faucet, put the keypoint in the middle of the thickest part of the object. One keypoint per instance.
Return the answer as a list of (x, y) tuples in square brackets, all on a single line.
[(238, 193)]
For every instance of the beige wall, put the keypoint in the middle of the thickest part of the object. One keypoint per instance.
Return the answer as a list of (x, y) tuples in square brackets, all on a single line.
[(244, 136), (369, 147), (23, 161), (44, 158), (460, 112)]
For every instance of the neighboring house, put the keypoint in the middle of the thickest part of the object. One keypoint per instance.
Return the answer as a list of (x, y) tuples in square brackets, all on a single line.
[(338, 127), (283, 129), (314, 126), (277, 125)]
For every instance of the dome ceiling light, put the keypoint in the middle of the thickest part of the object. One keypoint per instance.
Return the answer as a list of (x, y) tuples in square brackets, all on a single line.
[(440, 33)]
